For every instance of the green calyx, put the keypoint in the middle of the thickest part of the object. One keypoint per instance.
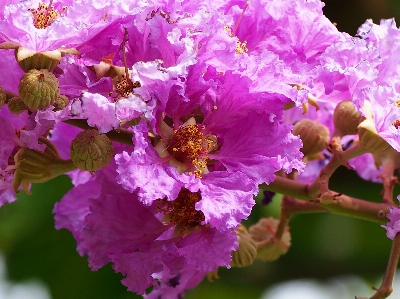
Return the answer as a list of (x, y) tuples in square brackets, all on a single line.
[(33, 166), (247, 251), (91, 151), (29, 60)]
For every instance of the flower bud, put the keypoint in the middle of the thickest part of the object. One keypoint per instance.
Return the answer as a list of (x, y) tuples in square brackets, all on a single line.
[(91, 151), (370, 140), (346, 118), (247, 251), (29, 60), (314, 135), (61, 102), (268, 247), (33, 166), (38, 89), (16, 106)]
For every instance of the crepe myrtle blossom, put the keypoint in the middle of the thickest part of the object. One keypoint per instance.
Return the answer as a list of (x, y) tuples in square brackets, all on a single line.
[(42, 26), (143, 242), (216, 141), (296, 32), (393, 226)]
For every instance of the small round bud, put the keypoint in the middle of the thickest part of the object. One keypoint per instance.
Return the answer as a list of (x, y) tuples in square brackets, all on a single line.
[(29, 60), (16, 106), (91, 151), (314, 135), (247, 251), (61, 102), (370, 140), (346, 118), (38, 89), (263, 233)]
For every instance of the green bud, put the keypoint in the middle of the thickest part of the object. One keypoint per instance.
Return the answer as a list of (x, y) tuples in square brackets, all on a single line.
[(33, 166), (247, 251), (38, 89), (314, 135), (91, 151), (61, 102), (346, 118)]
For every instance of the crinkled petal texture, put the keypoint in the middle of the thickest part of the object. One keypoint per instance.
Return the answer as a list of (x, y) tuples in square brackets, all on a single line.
[(393, 226), (226, 198), (202, 251), (72, 27), (249, 129), (175, 285), (9, 145)]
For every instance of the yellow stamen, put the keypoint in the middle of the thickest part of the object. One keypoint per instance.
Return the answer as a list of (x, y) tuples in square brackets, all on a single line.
[(181, 211), (45, 15)]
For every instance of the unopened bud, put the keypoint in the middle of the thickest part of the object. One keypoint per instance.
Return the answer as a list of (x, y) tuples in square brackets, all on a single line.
[(370, 140), (33, 166), (91, 151), (16, 106), (314, 135), (268, 247), (61, 102), (29, 60), (247, 251), (38, 89), (346, 118)]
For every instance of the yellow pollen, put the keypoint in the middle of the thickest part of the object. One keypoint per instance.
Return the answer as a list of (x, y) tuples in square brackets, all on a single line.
[(240, 46), (190, 145), (124, 87), (45, 15), (181, 211), (397, 103), (396, 123)]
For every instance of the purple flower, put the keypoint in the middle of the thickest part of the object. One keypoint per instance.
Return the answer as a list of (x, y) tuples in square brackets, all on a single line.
[(10, 143), (226, 198), (41, 27), (393, 226), (110, 224)]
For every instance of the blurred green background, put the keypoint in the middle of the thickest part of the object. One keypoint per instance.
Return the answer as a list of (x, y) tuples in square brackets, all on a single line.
[(323, 245)]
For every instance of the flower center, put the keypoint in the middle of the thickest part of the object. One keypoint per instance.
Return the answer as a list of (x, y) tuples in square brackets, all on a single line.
[(124, 86), (396, 123), (190, 145), (45, 15), (181, 211)]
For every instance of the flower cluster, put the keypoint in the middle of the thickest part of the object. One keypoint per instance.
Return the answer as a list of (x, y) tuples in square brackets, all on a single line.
[(169, 115)]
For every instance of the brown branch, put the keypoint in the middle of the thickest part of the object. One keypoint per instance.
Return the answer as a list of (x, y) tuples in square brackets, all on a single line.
[(338, 203), (386, 287)]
